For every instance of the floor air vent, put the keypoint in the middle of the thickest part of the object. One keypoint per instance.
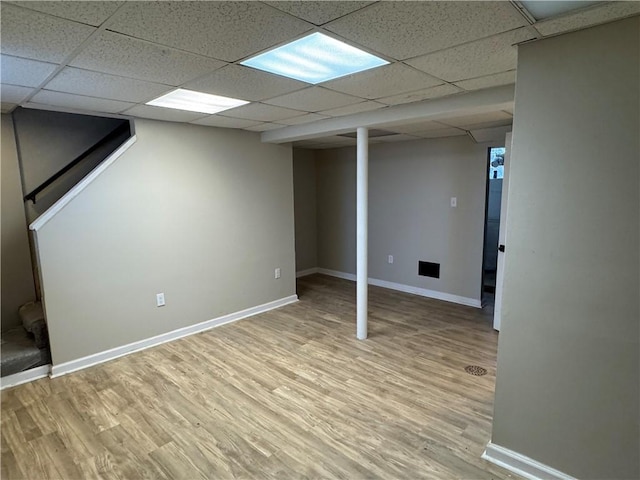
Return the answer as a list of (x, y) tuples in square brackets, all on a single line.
[(475, 370)]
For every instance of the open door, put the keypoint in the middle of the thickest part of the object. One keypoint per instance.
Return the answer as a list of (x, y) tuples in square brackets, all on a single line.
[(497, 310)]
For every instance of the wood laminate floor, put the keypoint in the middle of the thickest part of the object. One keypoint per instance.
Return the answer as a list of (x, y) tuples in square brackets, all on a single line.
[(286, 394)]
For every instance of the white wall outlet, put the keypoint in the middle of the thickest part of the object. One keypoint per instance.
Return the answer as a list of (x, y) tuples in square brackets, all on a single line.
[(277, 273), (390, 259), (160, 300), (454, 201)]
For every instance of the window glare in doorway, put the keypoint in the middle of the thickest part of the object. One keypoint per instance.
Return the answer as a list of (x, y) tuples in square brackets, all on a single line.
[(496, 162)]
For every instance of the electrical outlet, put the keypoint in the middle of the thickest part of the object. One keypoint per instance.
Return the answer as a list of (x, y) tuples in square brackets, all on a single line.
[(390, 259), (160, 300), (454, 201), (277, 273)]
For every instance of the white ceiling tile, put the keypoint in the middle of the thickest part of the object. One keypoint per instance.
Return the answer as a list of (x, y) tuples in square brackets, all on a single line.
[(316, 12), (383, 81), (309, 117), (305, 144), (317, 146), (335, 140), (224, 30), (313, 99), (129, 57), (13, 93), (495, 80), (420, 126), (92, 13), (476, 36), (419, 95), (407, 29), (605, 12), (484, 125), (441, 133), (482, 57), (476, 118), (79, 102), (159, 113), (30, 34), (328, 146), (365, 106), (264, 127), (495, 134), (7, 107), (20, 71), (262, 112), (226, 122), (102, 85), (401, 137), (245, 83)]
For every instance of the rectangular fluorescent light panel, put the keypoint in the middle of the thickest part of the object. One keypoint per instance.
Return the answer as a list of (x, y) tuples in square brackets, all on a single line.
[(192, 101), (547, 9), (315, 58)]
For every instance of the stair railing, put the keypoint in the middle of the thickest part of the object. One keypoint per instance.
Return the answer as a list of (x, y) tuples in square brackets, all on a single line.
[(116, 132)]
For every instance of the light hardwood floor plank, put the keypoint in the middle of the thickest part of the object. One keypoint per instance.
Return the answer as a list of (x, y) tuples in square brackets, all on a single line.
[(286, 394)]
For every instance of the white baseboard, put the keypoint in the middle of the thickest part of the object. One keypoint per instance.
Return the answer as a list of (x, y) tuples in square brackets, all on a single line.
[(423, 292), (336, 273), (521, 465), (308, 271), (101, 357), (24, 377)]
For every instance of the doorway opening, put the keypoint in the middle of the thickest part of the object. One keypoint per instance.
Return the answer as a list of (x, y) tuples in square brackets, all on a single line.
[(495, 176)]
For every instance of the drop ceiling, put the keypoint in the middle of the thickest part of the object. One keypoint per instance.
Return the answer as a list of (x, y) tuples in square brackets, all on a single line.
[(112, 57)]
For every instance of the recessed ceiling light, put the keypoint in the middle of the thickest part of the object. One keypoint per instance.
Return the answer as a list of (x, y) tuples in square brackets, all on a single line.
[(547, 9), (314, 59), (192, 101)]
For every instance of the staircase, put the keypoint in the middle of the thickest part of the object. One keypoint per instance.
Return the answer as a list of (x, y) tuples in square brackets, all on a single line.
[(55, 152), (26, 346)]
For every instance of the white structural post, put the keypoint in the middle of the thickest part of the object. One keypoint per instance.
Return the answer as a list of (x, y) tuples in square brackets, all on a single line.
[(362, 231)]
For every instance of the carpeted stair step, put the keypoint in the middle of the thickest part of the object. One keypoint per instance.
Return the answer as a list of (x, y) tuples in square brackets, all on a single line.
[(18, 352), (32, 317)]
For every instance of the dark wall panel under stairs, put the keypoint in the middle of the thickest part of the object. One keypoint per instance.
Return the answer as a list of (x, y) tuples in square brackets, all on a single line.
[(48, 142)]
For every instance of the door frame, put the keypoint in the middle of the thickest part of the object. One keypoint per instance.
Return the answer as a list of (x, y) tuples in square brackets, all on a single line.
[(502, 235)]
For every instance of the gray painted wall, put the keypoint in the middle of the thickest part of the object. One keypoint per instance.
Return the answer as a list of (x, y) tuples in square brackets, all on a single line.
[(410, 217), (203, 215), (568, 356), (17, 278), (336, 203), (304, 188)]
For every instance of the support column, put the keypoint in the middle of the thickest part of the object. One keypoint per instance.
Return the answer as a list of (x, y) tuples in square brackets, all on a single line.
[(362, 231)]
